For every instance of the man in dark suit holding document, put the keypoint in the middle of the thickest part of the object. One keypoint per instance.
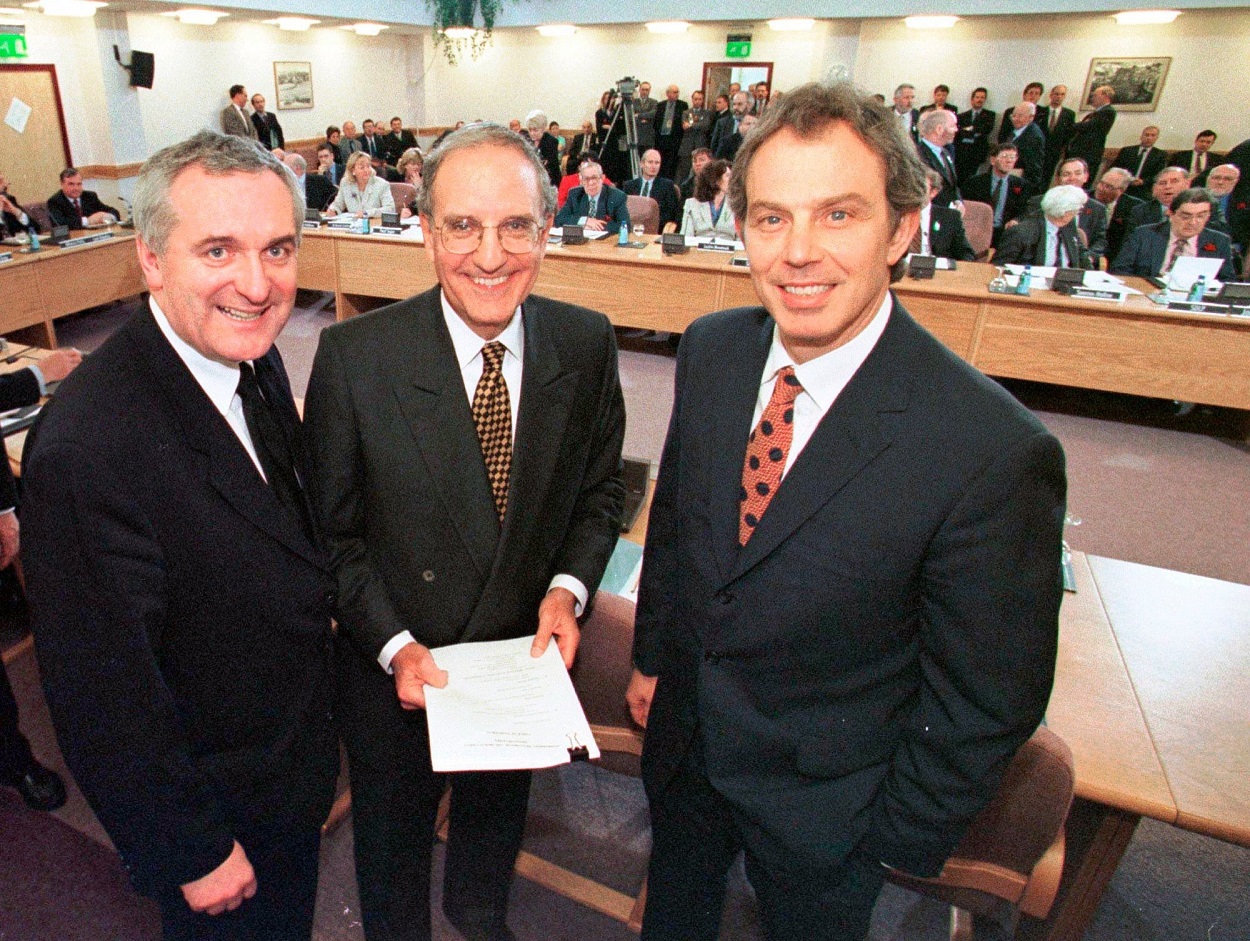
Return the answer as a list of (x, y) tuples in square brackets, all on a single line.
[(466, 446)]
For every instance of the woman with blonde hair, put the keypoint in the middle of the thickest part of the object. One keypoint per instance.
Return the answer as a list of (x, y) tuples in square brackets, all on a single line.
[(362, 190)]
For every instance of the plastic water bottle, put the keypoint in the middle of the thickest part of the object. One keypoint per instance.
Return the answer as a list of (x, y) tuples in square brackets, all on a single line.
[(34, 239), (623, 240), (1199, 290), (1025, 282)]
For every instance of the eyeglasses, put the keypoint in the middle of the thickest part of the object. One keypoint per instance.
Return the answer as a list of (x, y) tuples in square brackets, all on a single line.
[(1199, 215), (463, 236)]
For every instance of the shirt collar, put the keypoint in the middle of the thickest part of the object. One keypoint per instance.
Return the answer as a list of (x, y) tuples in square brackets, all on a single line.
[(824, 377), (468, 344), (219, 381), (933, 147)]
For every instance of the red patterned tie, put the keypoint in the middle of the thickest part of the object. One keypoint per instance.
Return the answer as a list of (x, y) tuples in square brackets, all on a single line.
[(767, 449)]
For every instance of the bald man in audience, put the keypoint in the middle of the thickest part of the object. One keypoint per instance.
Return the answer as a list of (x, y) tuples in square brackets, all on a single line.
[(1030, 143), (1232, 206), (1110, 191), (937, 132), (1089, 137), (652, 184), (1032, 94), (669, 115), (348, 142), (317, 189)]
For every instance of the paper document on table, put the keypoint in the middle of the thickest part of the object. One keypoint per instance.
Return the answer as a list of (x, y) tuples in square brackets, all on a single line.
[(505, 710)]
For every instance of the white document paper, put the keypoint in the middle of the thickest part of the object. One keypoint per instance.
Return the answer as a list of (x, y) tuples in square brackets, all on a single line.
[(1188, 269), (503, 709), (18, 114)]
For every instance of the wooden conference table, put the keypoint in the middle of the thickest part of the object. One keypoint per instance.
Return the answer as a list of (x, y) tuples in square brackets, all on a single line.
[(39, 287), (1134, 347)]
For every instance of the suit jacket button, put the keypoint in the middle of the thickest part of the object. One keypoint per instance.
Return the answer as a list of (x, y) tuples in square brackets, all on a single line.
[(711, 657), (725, 597), (427, 576), (331, 597)]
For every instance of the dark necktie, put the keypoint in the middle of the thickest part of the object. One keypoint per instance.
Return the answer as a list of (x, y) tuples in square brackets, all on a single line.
[(273, 447), (78, 210), (1054, 119), (999, 185), (767, 449), (948, 169), (492, 416)]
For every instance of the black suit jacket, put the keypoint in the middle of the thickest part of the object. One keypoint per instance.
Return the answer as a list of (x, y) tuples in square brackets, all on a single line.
[(950, 179), (17, 390), (1146, 248), (1057, 139), (669, 143), (402, 489), (972, 142), (319, 192), (1146, 212), (1089, 137), (10, 224), (722, 130), (268, 130), (62, 210), (1092, 221), (1118, 224), (394, 145), (946, 235), (1031, 147), (1184, 158), (861, 671), (664, 192), (183, 618), (1128, 159), (375, 148), (1025, 244), (981, 189)]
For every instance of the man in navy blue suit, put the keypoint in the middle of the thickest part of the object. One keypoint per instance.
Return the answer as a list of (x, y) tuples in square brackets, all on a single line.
[(1151, 250), (848, 615), (592, 204)]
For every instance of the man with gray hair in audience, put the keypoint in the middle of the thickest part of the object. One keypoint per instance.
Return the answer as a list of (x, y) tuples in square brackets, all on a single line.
[(1153, 250), (1050, 238), (1111, 192), (908, 117), (545, 143), (317, 190), (1230, 206), (1030, 143)]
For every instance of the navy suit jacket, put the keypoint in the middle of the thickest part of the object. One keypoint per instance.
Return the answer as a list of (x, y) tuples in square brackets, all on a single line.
[(62, 210), (664, 192), (1025, 244), (612, 208), (1147, 246), (950, 180), (947, 238), (183, 621), (268, 130), (1031, 146), (1089, 137), (861, 672)]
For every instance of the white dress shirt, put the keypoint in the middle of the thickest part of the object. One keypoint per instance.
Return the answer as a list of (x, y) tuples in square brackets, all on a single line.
[(219, 382), (468, 347), (822, 378)]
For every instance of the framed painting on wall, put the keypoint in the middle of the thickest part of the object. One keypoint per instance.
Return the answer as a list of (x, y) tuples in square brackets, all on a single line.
[(293, 86), (1138, 82)]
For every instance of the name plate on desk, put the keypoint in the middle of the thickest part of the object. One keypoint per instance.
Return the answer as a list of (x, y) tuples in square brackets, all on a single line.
[(1096, 294), (86, 239), (5, 256), (388, 230), (1204, 307), (312, 223), (727, 247)]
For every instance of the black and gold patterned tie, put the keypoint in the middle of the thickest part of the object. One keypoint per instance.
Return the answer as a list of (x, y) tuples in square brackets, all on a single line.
[(492, 416)]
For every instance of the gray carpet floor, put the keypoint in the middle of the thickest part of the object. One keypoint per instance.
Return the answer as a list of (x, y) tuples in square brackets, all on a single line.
[(1148, 487)]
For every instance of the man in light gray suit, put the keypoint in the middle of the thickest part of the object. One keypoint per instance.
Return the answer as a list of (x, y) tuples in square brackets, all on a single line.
[(234, 117)]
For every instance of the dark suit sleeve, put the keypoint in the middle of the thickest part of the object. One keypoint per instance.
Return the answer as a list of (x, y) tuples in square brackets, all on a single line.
[(1015, 247), (991, 586), (17, 389), (960, 249), (569, 213), (95, 575), (595, 521), (339, 495), (61, 212), (1134, 256)]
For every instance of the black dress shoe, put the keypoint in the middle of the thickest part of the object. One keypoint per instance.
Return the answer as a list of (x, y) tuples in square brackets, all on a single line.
[(40, 787)]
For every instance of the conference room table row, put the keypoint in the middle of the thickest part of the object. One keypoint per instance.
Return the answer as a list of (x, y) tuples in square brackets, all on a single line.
[(1134, 346)]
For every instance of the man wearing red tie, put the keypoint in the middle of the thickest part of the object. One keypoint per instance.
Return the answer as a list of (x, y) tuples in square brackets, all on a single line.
[(1196, 161), (78, 208), (848, 612)]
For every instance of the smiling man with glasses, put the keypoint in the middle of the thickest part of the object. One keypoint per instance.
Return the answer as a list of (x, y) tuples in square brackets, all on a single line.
[(467, 446)]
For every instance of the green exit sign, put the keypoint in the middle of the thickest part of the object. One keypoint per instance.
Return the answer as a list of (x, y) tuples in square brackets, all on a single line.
[(738, 47), (12, 42)]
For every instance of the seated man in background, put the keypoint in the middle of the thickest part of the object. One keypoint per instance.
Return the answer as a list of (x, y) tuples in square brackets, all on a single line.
[(1093, 217), (728, 148), (397, 141), (1049, 238), (1005, 193), (13, 218), (1221, 182), (1151, 250), (1110, 191), (317, 190), (942, 227), (349, 143), (327, 163), (76, 207), (592, 204), (1168, 184), (661, 189)]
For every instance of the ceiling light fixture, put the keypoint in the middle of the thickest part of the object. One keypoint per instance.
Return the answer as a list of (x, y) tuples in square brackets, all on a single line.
[(557, 29), (196, 17), (1146, 17), (669, 26), (295, 24), (365, 29)]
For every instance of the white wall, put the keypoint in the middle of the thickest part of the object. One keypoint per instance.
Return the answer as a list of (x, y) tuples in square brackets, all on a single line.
[(1208, 51), (353, 76), (565, 77)]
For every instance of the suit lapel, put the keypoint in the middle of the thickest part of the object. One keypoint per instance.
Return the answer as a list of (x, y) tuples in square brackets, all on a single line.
[(860, 425), (225, 463), (542, 422), (432, 397), (737, 393)]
